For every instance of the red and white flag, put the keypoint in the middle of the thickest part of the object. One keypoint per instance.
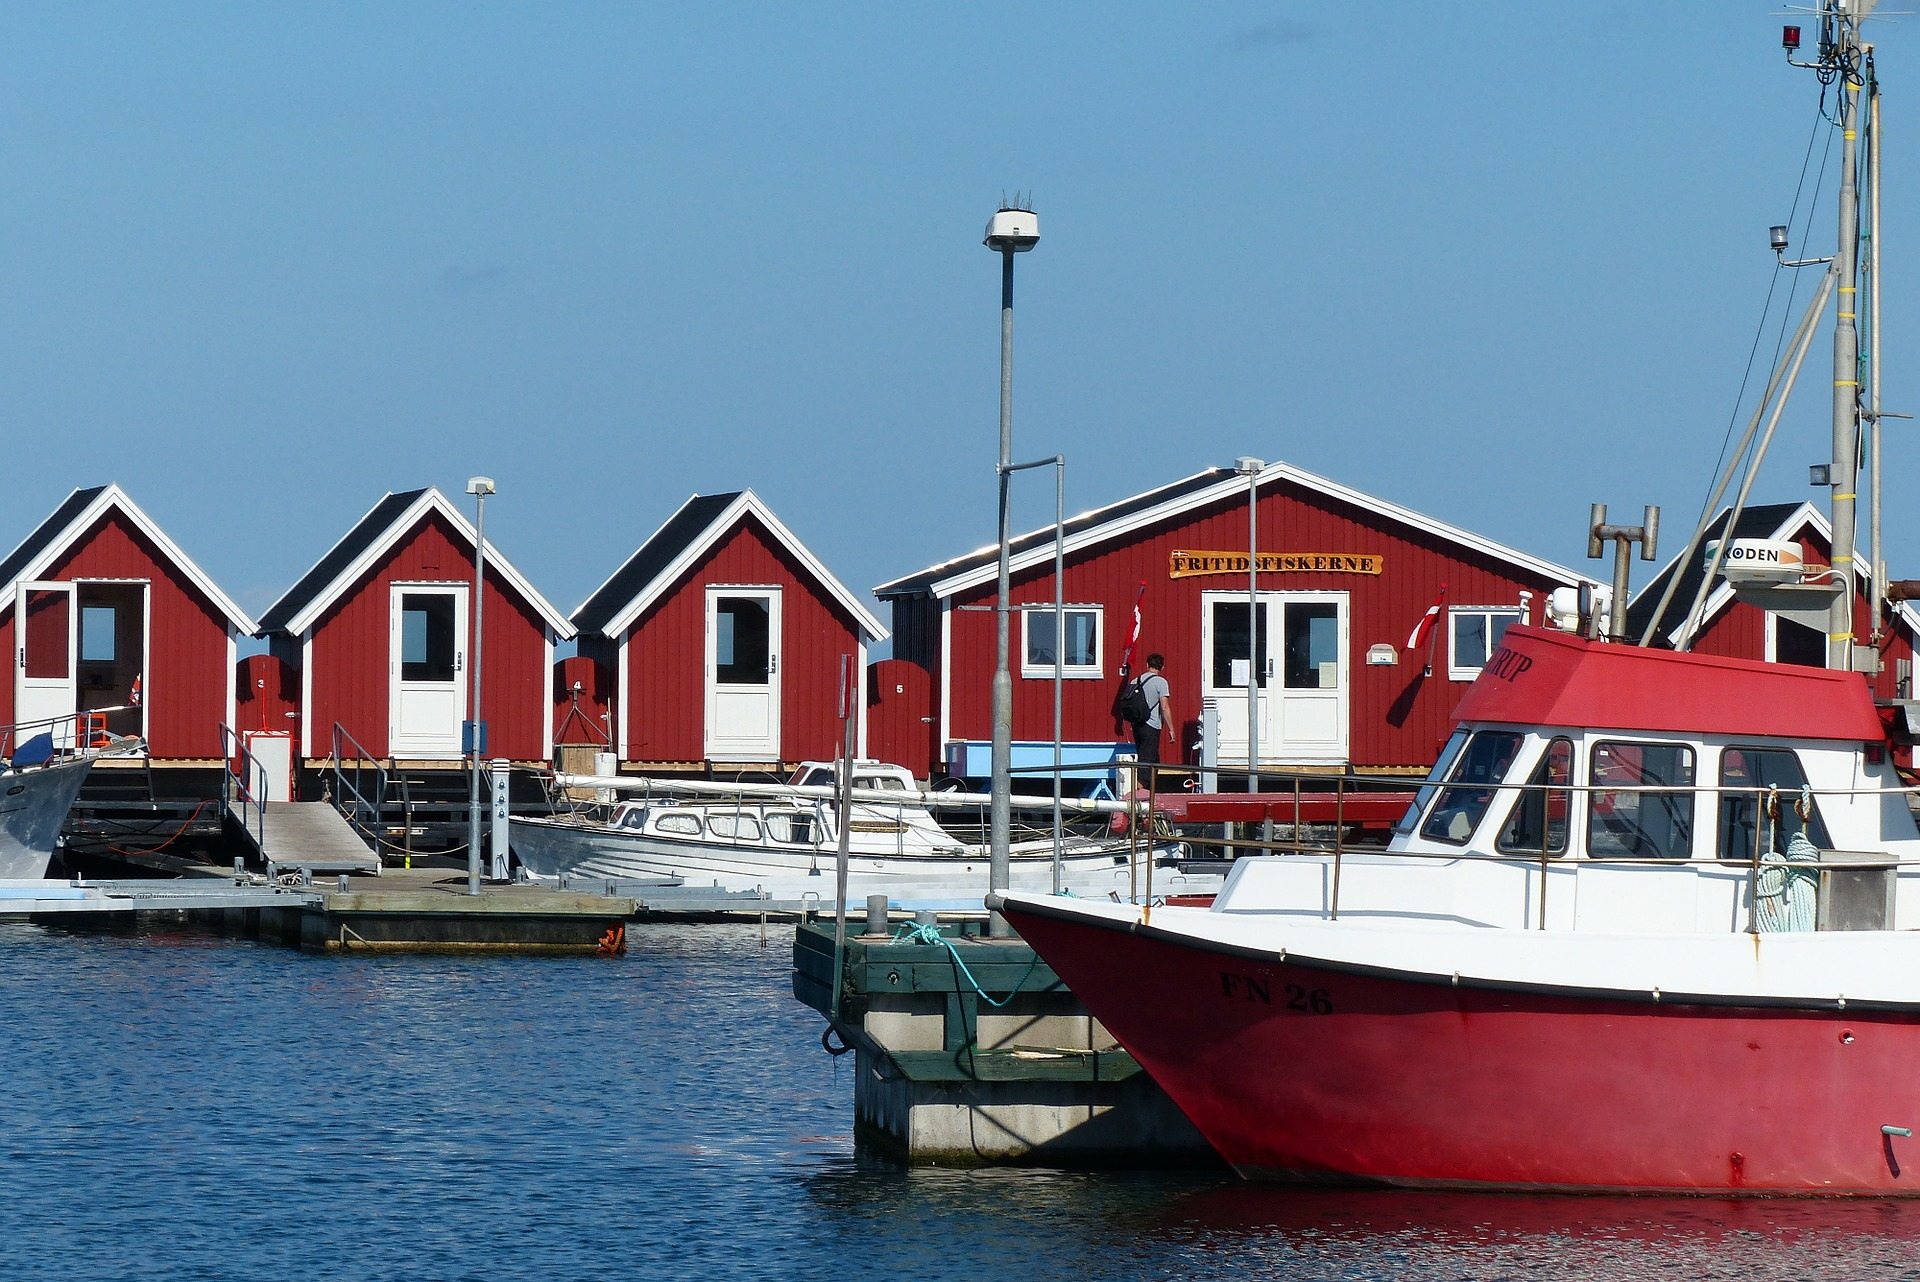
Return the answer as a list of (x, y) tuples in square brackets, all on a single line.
[(1424, 628), (1133, 638)]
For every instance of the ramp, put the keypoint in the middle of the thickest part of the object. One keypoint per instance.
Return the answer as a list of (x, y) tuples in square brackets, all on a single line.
[(308, 835)]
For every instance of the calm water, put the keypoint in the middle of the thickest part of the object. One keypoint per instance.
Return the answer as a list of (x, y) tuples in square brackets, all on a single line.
[(185, 1107)]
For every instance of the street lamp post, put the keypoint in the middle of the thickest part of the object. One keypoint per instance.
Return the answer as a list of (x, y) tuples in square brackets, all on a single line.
[(1250, 468), (1009, 232), (479, 487)]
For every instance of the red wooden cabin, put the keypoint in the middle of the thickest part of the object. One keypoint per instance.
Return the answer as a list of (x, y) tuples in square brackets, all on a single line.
[(100, 609), (379, 633), (1343, 577), (725, 638)]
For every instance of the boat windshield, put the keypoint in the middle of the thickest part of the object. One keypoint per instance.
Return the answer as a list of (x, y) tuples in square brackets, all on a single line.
[(1434, 778), (1463, 802)]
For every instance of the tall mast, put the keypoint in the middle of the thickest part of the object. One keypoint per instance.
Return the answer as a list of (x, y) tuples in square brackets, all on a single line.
[(1845, 56)]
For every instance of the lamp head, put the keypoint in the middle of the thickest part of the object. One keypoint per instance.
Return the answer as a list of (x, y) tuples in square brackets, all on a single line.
[(1777, 237), (1248, 466), (480, 486), (1012, 229)]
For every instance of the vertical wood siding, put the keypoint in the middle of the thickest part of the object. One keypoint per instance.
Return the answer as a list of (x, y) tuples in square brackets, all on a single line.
[(184, 685), (351, 646), (1397, 717), (595, 678), (663, 690)]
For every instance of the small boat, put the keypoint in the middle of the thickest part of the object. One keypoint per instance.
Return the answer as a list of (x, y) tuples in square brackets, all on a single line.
[(784, 839), (39, 780)]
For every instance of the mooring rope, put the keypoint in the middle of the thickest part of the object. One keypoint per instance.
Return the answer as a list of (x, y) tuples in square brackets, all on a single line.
[(915, 932)]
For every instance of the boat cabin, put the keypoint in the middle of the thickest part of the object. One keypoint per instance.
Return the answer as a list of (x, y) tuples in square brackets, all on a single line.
[(1637, 766)]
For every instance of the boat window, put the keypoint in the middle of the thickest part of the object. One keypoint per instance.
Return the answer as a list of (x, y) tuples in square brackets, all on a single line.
[(634, 819), (1743, 773), (1434, 776), (794, 829), (689, 824), (1631, 815), (737, 827), (818, 777), (1539, 819), (881, 783), (1464, 801)]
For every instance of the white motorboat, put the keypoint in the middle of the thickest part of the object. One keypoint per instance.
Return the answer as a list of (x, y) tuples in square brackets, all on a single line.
[(784, 839), (42, 767)]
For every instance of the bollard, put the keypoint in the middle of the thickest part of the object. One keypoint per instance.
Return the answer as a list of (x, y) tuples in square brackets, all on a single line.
[(927, 917), (876, 914), (343, 883)]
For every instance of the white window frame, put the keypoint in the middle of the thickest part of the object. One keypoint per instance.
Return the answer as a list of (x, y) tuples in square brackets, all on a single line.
[(1068, 671), (1456, 671)]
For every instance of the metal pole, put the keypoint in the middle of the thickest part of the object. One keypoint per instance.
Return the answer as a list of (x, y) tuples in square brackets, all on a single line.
[(1846, 356), (1877, 575), (1059, 638), (473, 714), (1253, 629), (846, 812), (1000, 814)]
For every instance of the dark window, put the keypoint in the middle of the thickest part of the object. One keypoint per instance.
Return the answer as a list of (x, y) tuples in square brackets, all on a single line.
[(1742, 772), (1464, 801), (1796, 643), (1442, 767), (742, 645), (1312, 656), (1230, 642), (426, 636), (1631, 816), (1539, 819)]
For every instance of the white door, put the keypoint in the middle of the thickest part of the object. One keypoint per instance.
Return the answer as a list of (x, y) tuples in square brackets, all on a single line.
[(743, 674), (45, 665), (1231, 650), (1309, 716), (428, 666)]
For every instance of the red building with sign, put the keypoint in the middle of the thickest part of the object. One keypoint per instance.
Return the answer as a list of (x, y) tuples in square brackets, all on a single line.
[(1342, 580)]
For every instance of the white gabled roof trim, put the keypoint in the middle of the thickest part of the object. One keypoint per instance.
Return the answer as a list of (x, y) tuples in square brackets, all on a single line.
[(110, 498), (747, 503), (430, 500), (1235, 484)]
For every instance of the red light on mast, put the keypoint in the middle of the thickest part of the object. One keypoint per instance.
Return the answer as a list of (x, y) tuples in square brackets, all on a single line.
[(1790, 39)]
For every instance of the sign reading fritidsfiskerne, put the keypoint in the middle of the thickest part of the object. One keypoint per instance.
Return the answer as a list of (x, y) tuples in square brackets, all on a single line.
[(1184, 565)]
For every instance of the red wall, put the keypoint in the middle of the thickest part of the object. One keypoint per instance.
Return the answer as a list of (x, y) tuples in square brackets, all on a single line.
[(589, 725), (185, 683), (663, 697), (266, 695), (351, 644), (1396, 717), (899, 695)]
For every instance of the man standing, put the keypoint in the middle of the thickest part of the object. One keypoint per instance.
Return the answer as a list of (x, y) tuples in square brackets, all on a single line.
[(1146, 734)]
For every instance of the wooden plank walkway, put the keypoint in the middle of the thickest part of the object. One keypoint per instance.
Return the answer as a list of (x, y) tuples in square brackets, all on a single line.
[(307, 834)]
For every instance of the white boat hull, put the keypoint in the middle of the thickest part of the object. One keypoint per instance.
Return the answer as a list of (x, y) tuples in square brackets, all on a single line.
[(33, 806)]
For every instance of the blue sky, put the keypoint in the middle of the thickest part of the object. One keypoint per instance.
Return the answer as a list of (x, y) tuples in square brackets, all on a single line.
[(1496, 262)]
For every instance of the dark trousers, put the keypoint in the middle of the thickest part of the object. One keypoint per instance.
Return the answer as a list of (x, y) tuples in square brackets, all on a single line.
[(1146, 743)]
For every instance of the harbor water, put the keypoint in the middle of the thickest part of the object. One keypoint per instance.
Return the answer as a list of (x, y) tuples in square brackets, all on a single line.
[(180, 1106)]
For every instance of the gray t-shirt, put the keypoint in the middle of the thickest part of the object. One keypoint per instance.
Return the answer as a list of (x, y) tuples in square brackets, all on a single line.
[(1154, 687)]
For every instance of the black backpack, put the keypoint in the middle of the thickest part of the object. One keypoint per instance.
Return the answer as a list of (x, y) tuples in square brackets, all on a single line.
[(1131, 703)]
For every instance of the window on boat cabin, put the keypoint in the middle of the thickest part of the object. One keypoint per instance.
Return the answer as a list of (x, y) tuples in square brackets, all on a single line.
[(793, 829), (1079, 655), (1632, 813), (1744, 772), (1539, 819), (734, 827), (880, 783), (680, 823), (634, 819), (817, 777), (1470, 790), (1442, 767), (1473, 634)]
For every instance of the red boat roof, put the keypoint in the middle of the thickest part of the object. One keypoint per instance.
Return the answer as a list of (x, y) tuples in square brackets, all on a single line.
[(1543, 677)]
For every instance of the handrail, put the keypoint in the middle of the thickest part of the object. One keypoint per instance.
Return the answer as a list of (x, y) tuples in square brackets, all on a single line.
[(242, 783), (348, 794)]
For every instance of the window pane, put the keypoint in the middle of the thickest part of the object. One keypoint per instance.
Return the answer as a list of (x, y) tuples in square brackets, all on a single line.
[(1230, 642), (426, 636), (743, 642), (1796, 643), (98, 633), (1313, 646), (1442, 767), (1741, 821), (1039, 638), (1083, 646), (1641, 824), (1539, 819), (1465, 800)]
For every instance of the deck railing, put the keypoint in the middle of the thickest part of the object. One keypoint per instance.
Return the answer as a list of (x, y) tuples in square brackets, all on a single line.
[(362, 785), (245, 780)]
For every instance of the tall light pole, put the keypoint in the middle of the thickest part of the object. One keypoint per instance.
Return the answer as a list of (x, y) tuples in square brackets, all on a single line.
[(479, 487), (1250, 468), (1009, 232)]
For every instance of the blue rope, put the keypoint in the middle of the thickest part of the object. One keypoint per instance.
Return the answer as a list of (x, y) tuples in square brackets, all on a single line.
[(929, 933)]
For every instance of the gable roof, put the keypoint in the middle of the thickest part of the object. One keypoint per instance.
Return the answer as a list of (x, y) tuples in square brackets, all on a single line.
[(1765, 521), (372, 537), (1117, 520), (77, 514), (677, 546)]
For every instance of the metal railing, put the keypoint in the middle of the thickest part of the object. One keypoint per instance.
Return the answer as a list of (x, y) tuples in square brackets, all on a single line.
[(245, 779), (360, 786)]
